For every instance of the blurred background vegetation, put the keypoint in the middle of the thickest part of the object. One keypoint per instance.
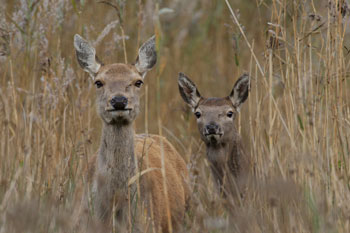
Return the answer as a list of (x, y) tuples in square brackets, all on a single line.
[(295, 124)]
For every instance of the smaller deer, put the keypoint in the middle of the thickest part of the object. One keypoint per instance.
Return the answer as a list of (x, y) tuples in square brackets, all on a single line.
[(215, 120)]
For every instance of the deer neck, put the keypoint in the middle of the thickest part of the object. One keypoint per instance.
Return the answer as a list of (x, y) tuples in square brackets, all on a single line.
[(218, 153), (226, 154), (117, 153)]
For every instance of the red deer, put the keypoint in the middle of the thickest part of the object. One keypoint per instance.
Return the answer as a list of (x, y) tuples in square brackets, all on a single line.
[(122, 153), (215, 120)]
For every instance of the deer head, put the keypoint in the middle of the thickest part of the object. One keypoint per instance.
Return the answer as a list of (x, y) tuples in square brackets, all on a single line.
[(117, 85), (215, 116)]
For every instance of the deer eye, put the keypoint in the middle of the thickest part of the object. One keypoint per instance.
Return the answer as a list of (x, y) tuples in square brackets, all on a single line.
[(198, 114), (138, 83), (98, 84), (230, 114)]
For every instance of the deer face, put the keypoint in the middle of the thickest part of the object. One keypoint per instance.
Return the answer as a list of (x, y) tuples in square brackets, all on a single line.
[(215, 116), (118, 93), (117, 85)]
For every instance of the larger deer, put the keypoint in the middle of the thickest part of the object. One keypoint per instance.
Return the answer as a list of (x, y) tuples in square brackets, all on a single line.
[(122, 153), (215, 120)]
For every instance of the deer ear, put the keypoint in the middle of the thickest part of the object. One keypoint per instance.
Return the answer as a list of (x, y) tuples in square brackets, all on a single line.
[(86, 56), (188, 91), (147, 56), (240, 91)]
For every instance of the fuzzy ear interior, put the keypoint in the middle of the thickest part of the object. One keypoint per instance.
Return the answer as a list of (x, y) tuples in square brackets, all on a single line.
[(240, 91), (188, 91), (86, 55), (147, 56)]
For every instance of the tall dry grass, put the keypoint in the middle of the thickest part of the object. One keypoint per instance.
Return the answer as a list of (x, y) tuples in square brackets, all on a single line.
[(296, 123)]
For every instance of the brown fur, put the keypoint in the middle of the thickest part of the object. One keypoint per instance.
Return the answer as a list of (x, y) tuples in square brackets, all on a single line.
[(215, 120), (147, 149), (175, 170), (122, 153)]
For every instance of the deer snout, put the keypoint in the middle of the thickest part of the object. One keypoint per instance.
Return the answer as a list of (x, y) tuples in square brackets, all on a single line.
[(119, 102), (212, 128)]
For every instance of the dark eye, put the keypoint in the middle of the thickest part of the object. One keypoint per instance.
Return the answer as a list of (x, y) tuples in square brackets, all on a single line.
[(198, 114), (98, 84), (138, 83), (230, 114)]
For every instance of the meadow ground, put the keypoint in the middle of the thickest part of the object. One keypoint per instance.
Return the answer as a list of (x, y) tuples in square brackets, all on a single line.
[(295, 123)]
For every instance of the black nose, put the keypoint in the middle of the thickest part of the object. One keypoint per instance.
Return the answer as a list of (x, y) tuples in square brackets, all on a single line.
[(211, 128), (119, 102)]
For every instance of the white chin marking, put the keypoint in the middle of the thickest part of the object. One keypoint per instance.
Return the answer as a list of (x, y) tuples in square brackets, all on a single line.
[(119, 116), (213, 137), (120, 113)]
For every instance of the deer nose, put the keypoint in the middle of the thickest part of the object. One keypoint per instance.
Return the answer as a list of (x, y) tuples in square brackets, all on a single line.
[(211, 128), (119, 102)]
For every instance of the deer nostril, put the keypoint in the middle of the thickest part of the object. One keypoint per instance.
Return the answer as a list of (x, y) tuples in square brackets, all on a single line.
[(119, 102), (212, 128)]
